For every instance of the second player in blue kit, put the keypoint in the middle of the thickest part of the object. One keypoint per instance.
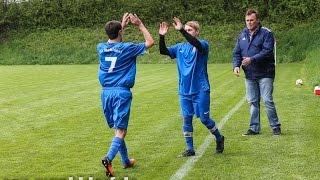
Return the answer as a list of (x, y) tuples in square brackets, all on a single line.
[(194, 88)]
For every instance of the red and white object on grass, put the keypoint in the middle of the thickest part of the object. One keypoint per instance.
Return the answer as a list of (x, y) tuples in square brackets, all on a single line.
[(317, 90)]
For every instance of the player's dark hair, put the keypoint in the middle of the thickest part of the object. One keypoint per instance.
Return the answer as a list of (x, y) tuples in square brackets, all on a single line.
[(112, 29), (253, 11)]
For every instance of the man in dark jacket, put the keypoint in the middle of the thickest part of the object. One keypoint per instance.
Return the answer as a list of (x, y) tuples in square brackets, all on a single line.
[(254, 53)]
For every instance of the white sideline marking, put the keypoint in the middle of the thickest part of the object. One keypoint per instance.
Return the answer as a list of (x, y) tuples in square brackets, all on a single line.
[(180, 173)]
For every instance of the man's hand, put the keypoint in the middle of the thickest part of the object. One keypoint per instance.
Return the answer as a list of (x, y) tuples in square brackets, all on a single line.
[(177, 23), (135, 20), (236, 71), (163, 29), (125, 20), (246, 61)]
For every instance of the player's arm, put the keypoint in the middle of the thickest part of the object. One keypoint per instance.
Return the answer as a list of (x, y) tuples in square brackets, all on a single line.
[(125, 20), (162, 46), (163, 29), (192, 40), (135, 20)]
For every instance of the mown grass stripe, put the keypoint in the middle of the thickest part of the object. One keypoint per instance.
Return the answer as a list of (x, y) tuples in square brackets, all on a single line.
[(185, 168)]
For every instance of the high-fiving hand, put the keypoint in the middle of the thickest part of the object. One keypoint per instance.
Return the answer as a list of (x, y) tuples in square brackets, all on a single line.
[(177, 23), (125, 20), (163, 29), (135, 20)]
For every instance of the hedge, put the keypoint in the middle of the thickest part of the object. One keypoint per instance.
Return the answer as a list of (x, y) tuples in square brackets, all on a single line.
[(87, 13)]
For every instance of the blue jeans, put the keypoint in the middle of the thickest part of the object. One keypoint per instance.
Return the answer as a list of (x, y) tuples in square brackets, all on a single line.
[(261, 88)]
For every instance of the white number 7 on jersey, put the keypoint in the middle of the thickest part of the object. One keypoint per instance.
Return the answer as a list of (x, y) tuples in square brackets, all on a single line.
[(113, 63)]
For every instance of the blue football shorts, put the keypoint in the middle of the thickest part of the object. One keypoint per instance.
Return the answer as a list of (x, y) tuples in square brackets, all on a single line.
[(116, 103), (195, 104)]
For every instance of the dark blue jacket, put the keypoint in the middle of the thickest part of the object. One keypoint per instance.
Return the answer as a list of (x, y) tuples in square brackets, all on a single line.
[(259, 49)]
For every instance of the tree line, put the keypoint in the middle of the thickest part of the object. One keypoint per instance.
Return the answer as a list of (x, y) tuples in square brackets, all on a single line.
[(17, 14)]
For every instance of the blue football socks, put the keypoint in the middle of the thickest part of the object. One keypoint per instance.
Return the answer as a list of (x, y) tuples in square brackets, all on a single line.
[(187, 131), (114, 148), (124, 153), (189, 142), (211, 125), (217, 134)]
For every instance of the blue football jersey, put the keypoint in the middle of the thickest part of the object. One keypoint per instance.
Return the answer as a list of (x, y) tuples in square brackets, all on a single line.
[(118, 63), (192, 67)]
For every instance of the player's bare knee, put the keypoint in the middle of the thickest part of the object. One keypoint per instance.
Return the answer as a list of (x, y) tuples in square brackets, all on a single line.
[(121, 133)]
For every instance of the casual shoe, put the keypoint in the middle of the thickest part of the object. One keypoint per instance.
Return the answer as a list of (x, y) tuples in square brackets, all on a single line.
[(107, 164), (131, 164), (250, 133), (220, 145), (188, 153), (277, 131)]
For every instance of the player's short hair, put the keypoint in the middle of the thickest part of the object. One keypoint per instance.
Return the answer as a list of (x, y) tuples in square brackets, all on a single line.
[(253, 11), (194, 24), (112, 29)]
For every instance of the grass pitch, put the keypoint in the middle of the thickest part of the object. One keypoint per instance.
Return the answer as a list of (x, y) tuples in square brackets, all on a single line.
[(52, 126)]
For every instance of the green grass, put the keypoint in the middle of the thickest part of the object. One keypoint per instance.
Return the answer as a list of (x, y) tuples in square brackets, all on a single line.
[(54, 46), (78, 45), (52, 126), (312, 69)]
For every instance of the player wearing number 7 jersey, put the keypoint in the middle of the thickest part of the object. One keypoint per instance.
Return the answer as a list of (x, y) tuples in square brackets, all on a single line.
[(117, 71)]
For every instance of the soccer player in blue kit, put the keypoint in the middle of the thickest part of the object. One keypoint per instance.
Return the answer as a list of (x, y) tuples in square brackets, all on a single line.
[(194, 88), (117, 71)]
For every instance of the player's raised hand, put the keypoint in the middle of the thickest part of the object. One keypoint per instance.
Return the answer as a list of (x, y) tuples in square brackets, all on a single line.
[(125, 20), (177, 23), (163, 29), (135, 20)]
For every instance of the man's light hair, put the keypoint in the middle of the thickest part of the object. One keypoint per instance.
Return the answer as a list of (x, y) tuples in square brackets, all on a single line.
[(194, 24)]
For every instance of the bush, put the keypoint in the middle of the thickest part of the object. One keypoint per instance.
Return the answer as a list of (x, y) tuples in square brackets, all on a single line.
[(77, 45), (295, 43), (87, 13), (313, 68)]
